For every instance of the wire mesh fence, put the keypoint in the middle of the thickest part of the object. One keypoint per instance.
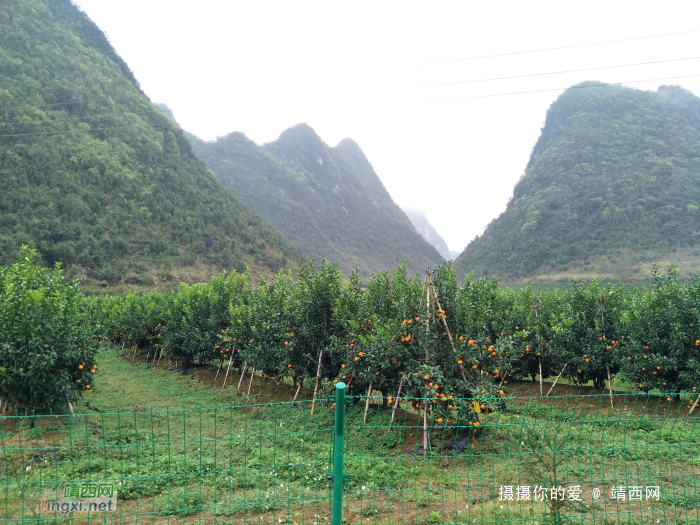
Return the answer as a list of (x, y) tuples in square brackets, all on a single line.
[(564, 459)]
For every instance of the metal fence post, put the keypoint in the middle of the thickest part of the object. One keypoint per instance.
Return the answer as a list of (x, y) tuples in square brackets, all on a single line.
[(338, 450)]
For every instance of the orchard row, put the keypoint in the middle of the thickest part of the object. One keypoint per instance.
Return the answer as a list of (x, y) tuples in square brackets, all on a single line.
[(431, 336), (464, 341)]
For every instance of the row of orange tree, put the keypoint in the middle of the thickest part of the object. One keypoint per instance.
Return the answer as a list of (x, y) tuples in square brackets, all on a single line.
[(391, 333)]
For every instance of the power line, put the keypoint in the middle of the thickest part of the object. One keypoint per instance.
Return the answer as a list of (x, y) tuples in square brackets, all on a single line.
[(537, 91), (88, 118), (73, 131), (532, 75), (7, 108), (550, 49)]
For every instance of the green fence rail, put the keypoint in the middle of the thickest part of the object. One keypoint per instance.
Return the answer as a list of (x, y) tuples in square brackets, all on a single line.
[(563, 459)]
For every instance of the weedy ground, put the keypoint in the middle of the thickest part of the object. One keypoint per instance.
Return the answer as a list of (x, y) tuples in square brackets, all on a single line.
[(184, 451)]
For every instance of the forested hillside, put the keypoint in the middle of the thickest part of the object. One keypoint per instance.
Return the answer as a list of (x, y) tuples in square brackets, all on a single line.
[(612, 184), (327, 200), (95, 177)]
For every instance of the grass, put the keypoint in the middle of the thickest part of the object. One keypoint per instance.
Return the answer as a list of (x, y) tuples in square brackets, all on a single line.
[(182, 451)]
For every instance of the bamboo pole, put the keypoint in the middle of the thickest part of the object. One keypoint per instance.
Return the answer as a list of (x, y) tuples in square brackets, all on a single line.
[(160, 356), (318, 377), (427, 313), (557, 379), (396, 403), (297, 392), (369, 391), (227, 369), (422, 293), (425, 428), (245, 365), (694, 405), (250, 385), (218, 369), (540, 377), (610, 386), (147, 356), (462, 370)]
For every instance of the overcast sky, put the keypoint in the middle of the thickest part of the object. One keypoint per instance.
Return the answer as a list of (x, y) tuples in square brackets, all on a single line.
[(359, 69)]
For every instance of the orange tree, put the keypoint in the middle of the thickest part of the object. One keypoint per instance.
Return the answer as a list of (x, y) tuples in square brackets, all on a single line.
[(593, 324), (490, 322), (309, 317), (262, 336), (47, 357), (197, 316), (367, 333), (664, 335), (534, 342), (439, 375)]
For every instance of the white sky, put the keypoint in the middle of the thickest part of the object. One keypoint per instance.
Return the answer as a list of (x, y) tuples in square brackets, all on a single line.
[(261, 66)]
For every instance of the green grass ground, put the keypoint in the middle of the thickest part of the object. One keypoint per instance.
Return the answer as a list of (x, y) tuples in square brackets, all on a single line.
[(181, 451)]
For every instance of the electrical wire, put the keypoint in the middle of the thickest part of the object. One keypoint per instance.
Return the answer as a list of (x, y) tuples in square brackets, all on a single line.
[(602, 84), (49, 121), (8, 108), (77, 130), (534, 75), (550, 49)]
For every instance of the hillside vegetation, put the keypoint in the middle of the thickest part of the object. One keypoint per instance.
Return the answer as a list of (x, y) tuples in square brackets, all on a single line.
[(328, 201), (95, 177), (612, 184)]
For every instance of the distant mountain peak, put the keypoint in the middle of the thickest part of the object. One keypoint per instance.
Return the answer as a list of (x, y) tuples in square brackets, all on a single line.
[(428, 231), (612, 184), (327, 200)]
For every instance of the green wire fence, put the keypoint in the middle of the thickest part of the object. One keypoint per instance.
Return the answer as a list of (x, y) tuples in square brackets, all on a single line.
[(560, 459)]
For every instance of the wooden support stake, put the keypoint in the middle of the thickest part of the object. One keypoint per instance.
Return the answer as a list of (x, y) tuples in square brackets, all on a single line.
[(369, 391), (425, 280), (694, 405), (318, 377), (462, 370), (396, 403), (557, 379), (540, 377), (70, 409), (610, 386), (297, 392), (425, 428), (250, 385), (245, 365), (227, 369), (160, 356), (218, 369), (147, 356)]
